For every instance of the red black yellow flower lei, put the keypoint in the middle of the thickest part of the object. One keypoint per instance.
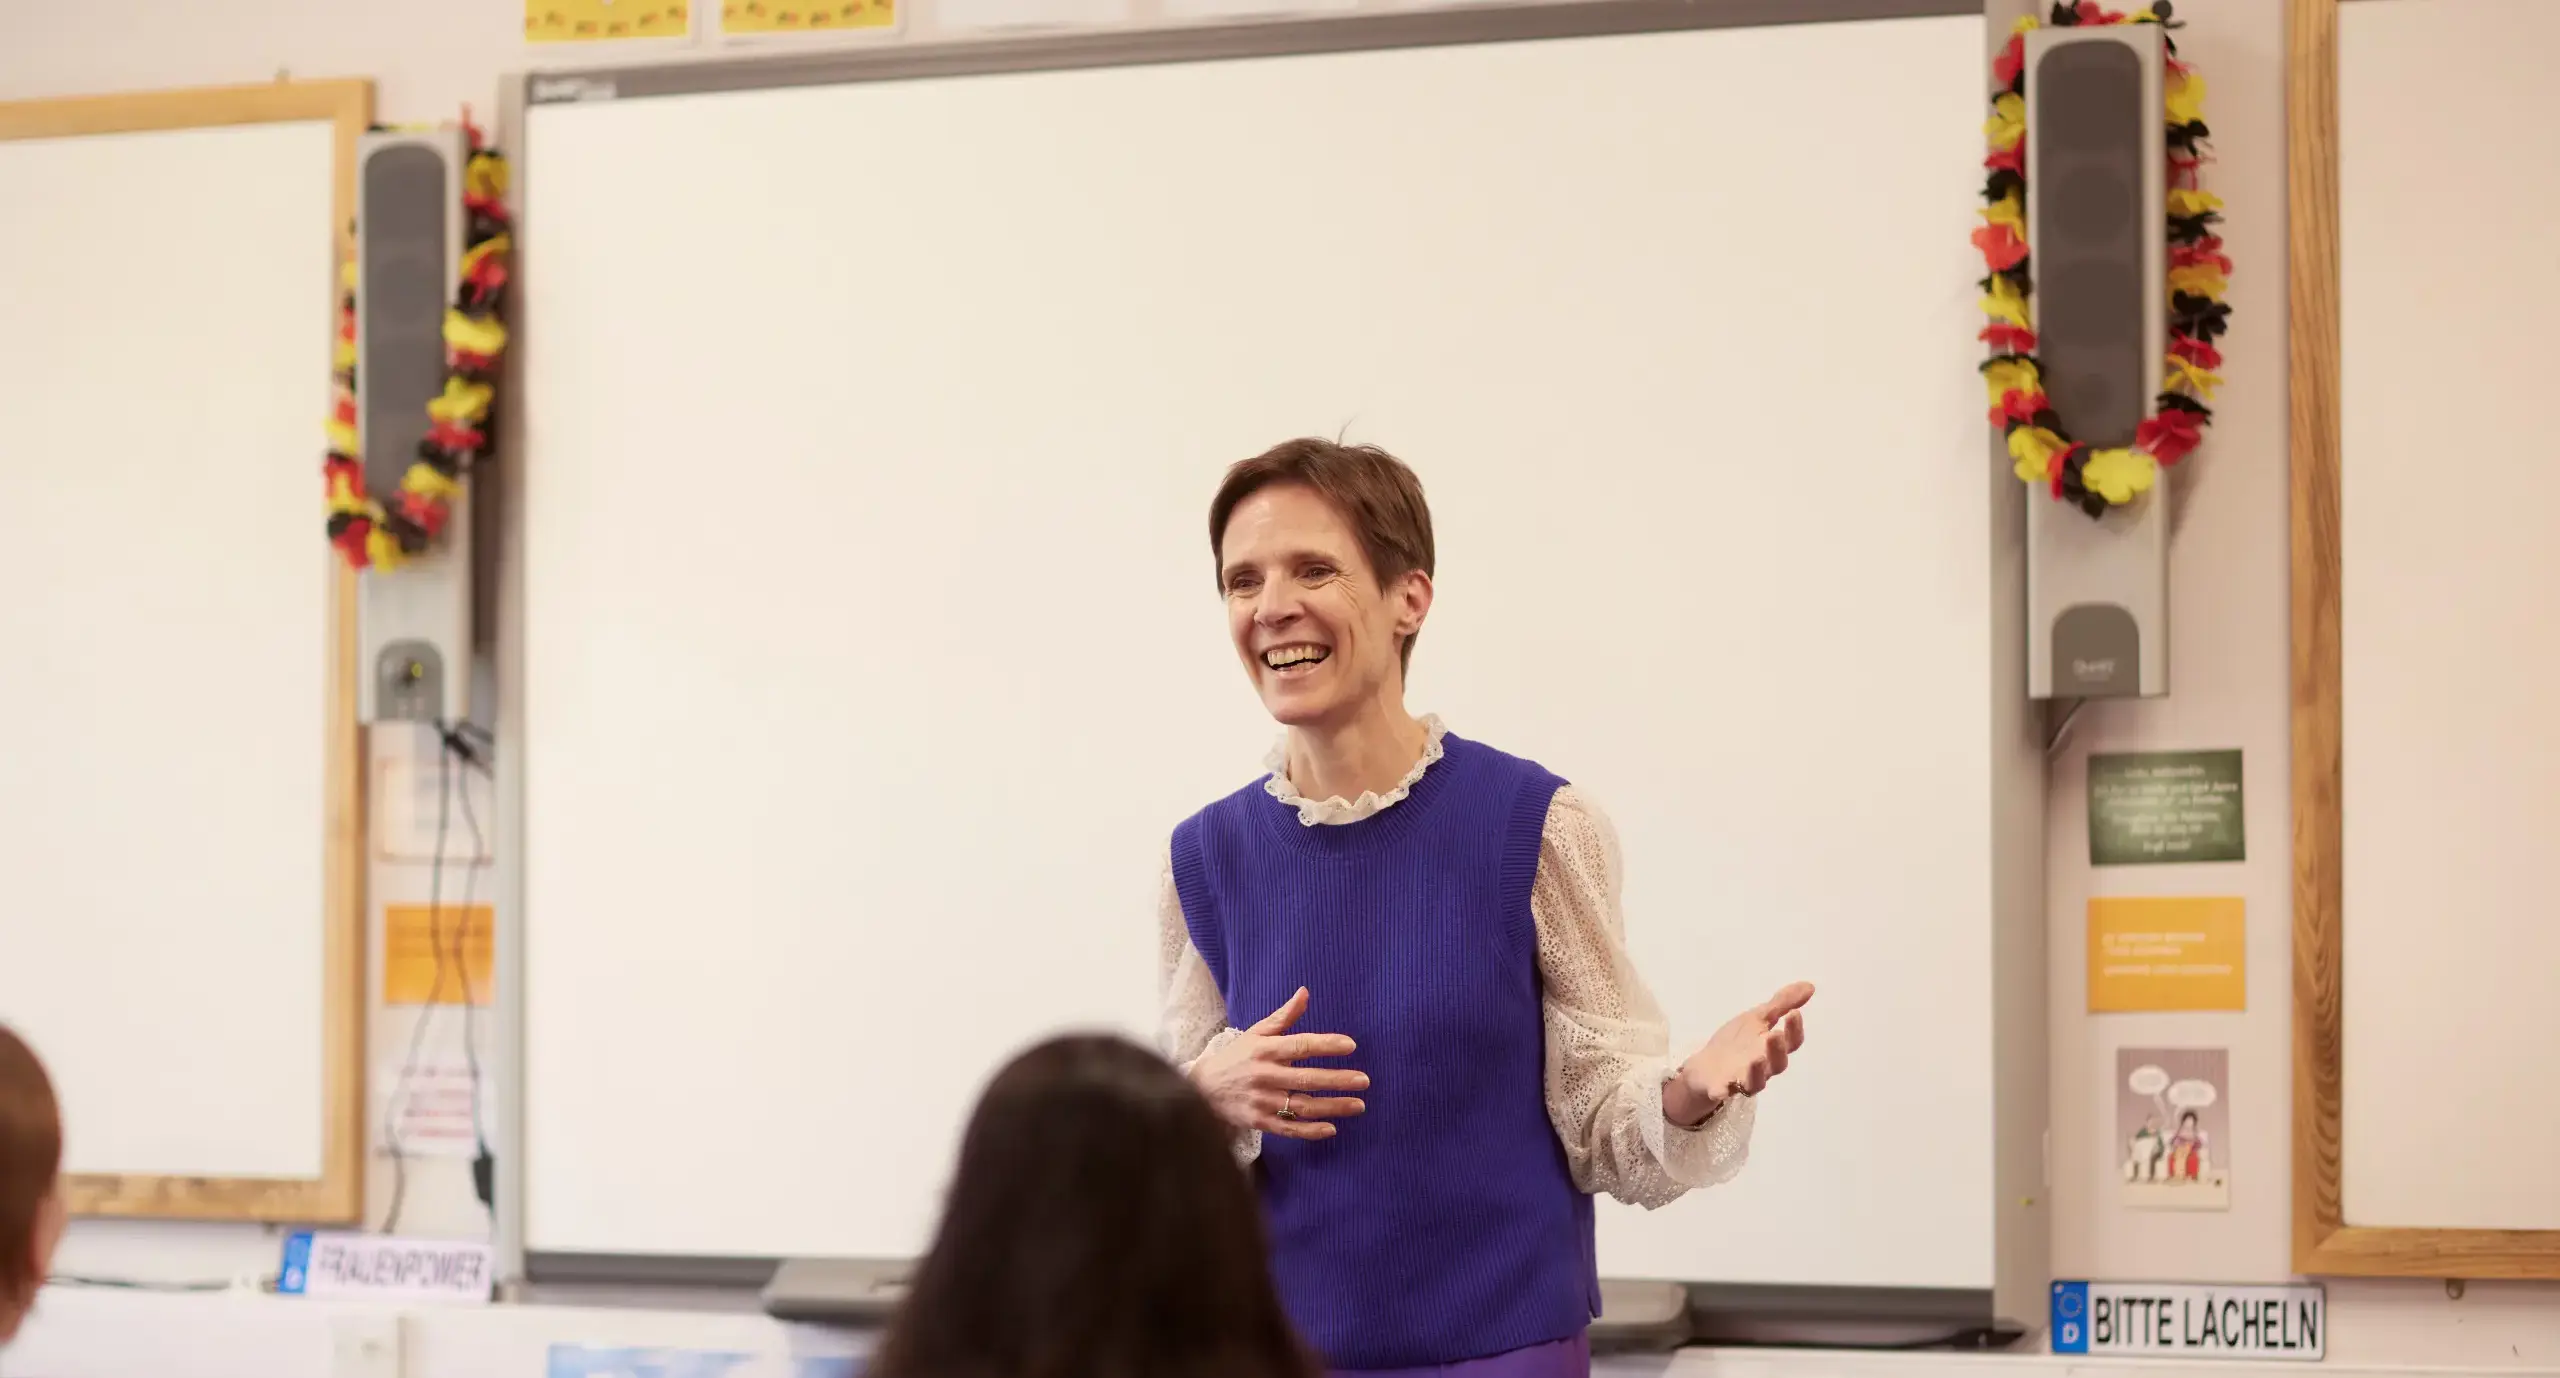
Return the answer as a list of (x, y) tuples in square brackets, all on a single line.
[(2093, 479), (380, 535)]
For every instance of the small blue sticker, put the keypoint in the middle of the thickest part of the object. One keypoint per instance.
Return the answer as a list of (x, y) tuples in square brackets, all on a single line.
[(2071, 1318), (296, 1271)]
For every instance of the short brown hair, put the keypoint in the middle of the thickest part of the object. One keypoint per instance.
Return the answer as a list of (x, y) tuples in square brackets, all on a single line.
[(1376, 494), (30, 1164)]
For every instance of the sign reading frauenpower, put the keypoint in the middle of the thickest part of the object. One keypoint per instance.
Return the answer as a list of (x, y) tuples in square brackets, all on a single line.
[(2139, 1318)]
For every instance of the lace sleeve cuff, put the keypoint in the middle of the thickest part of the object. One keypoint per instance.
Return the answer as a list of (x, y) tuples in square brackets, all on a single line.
[(1709, 1155), (1248, 1142)]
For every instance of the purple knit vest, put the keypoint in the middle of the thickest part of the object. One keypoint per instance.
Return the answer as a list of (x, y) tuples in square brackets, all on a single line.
[(1443, 1225)]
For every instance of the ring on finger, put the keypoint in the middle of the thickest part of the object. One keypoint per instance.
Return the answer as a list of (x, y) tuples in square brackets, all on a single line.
[(1289, 1106)]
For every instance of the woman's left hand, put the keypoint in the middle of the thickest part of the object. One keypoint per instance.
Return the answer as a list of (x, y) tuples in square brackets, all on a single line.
[(1751, 1048)]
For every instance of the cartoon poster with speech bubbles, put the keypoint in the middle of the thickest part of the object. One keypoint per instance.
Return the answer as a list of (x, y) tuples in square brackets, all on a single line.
[(2173, 1128)]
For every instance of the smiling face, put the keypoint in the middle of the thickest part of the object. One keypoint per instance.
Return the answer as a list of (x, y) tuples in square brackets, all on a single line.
[(1318, 635)]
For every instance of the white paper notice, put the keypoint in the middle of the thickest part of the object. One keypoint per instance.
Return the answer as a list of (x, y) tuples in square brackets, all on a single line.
[(417, 794), (980, 15), (432, 1116)]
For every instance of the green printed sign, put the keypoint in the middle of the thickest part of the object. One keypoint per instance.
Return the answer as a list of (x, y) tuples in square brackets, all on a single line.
[(2165, 806)]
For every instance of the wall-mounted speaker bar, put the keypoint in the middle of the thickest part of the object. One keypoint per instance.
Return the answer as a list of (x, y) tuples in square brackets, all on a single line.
[(2098, 590), (413, 622)]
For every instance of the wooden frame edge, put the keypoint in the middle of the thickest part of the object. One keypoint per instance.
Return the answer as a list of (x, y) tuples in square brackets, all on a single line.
[(336, 1196), (2311, 197), (2324, 1244)]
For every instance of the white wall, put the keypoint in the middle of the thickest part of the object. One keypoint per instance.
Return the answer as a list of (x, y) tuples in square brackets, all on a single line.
[(2229, 658)]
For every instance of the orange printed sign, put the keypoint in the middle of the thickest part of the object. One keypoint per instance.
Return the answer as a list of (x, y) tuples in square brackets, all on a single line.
[(433, 956), (2179, 953)]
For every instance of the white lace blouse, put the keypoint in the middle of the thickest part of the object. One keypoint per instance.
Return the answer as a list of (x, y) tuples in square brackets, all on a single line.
[(1608, 1045)]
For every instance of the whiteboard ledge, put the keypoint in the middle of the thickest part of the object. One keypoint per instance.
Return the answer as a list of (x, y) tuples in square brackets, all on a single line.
[(850, 1292)]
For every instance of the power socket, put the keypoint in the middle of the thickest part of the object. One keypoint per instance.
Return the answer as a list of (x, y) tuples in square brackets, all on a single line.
[(366, 1346), (408, 683)]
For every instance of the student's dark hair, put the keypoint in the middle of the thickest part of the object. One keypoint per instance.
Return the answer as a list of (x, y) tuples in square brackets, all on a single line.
[(30, 1164), (1099, 1226)]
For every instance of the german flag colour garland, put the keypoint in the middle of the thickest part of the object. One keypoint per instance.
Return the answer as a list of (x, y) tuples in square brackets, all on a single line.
[(2091, 478), (380, 535)]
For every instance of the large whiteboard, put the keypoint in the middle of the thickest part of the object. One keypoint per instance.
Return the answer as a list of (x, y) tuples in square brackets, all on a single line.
[(177, 926), (870, 646), (2451, 753)]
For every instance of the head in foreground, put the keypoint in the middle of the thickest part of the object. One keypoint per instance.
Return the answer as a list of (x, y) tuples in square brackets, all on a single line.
[(31, 1206), (1098, 1225)]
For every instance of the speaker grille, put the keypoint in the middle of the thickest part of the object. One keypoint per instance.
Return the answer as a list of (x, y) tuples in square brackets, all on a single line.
[(401, 298), (2092, 135)]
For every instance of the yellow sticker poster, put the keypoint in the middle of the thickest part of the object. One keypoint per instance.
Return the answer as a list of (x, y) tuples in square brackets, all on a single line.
[(605, 21), (806, 16), (438, 956), (2181, 953)]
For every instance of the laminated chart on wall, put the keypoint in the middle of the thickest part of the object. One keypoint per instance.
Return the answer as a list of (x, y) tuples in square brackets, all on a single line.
[(759, 18), (606, 21)]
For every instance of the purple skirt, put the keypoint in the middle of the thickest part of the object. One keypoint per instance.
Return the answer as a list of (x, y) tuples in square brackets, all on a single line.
[(1554, 1359)]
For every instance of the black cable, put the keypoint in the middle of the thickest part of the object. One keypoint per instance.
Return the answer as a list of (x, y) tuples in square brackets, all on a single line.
[(470, 743), (462, 937), (484, 1164), (1975, 1337), (2058, 732)]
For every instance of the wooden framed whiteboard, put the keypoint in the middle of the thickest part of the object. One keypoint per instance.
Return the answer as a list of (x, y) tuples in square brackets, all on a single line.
[(184, 830), (2422, 774)]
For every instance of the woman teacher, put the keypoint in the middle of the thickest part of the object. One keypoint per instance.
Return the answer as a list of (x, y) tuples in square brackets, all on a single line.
[(1488, 1058)]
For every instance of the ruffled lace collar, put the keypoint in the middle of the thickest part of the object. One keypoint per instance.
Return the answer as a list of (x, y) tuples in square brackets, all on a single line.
[(1312, 812)]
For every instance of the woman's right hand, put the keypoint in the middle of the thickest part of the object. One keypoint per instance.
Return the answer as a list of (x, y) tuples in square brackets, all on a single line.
[(1255, 1077)]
